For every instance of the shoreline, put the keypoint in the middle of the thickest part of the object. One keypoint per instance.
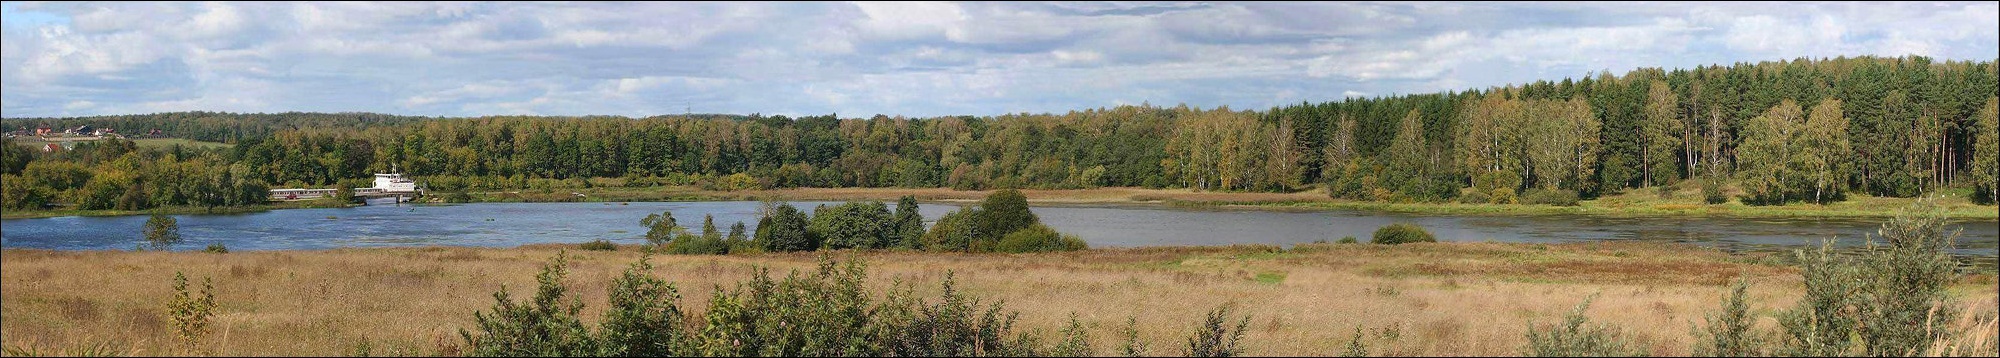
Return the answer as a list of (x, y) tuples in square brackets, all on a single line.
[(1630, 205)]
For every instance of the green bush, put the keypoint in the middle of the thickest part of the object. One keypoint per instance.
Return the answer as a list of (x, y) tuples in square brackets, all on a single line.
[(783, 229), (661, 228), (1402, 234), (599, 245), (1002, 213), (825, 313), (645, 319), (1573, 338), (1347, 240), (1214, 339), (162, 232), (544, 326), (1557, 197), (1711, 191), (1474, 196), (691, 244), (1888, 301), (908, 229), (1038, 238), (1728, 332), (216, 248), (955, 232), (853, 225)]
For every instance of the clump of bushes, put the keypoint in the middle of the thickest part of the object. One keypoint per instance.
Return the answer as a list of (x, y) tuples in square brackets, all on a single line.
[(1885, 301), (825, 313), (1573, 338), (1038, 238), (216, 248), (1556, 197), (1000, 223), (1711, 191), (1347, 240), (599, 245), (1402, 234)]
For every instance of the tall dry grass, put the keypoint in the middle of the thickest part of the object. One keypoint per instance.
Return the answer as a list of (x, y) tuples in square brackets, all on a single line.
[(1415, 299)]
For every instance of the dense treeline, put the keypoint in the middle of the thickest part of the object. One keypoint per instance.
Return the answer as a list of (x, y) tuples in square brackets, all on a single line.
[(115, 174), (1786, 131)]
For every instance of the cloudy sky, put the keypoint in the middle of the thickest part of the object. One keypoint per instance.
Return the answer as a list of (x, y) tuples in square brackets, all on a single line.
[(913, 59)]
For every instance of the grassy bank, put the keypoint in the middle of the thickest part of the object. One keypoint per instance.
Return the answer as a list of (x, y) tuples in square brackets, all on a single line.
[(1416, 299), (1630, 204)]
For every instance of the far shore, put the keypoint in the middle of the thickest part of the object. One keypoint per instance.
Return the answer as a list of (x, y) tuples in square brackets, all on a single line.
[(1630, 204)]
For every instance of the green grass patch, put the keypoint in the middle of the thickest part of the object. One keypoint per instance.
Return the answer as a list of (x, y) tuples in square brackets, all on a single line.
[(1270, 277)]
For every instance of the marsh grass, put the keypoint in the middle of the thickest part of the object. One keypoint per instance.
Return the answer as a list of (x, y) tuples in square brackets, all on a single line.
[(413, 301)]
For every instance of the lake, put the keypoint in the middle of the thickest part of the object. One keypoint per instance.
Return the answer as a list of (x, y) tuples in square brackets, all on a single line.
[(385, 224)]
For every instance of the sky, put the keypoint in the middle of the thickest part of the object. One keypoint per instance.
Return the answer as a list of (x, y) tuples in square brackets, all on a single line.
[(911, 59)]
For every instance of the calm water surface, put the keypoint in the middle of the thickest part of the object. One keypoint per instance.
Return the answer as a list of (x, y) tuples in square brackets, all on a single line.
[(511, 224)]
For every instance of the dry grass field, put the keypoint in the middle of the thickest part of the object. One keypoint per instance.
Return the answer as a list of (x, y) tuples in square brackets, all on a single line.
[(1463, 299)]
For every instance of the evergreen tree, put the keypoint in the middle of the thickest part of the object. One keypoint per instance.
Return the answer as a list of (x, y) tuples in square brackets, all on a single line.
[(909, 230)]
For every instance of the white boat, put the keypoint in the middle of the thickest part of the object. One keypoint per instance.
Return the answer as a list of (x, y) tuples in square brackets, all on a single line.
[(394, 183)]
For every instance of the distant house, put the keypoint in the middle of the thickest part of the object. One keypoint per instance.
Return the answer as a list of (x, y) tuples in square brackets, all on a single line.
[(51, 147), (42, 130)]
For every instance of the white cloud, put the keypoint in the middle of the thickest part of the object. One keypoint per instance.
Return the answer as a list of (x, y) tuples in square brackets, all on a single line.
[(916, 59)]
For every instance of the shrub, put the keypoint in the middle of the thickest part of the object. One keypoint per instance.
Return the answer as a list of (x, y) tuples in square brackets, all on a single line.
[(1002, 213), (1354, 347), (1556, 197), (644, 319), (1347, 240), (1401, 234), (216, 248), (1474, 196), (908, 231), (1505, 196), (191, 314), (661, 228), (544, 326), (1711, 191), (1572, 338), (457, 196), (1038, 238), (691, 244), (1887, 301), (1075, 342), (599, 245), (853, 225), (1907, 308), (955, 232), (1728, 332), (784, 230), (1214, 339), (1819, 325), (828, 312), (162, 232), (1132, 346)]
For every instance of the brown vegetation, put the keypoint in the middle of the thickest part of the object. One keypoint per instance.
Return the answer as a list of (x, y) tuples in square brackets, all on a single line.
[(1412, 299)]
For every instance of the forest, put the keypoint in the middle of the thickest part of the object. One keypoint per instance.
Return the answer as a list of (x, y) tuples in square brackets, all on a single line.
[(1780, 132)]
